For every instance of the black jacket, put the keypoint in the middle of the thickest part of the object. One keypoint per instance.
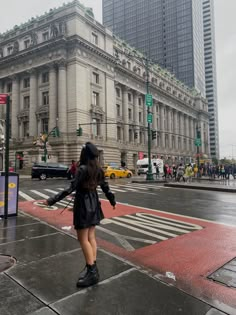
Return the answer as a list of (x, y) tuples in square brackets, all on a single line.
[(87, 207)]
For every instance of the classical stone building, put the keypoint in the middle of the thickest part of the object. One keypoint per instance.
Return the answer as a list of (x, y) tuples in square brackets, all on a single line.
[(65, 69)]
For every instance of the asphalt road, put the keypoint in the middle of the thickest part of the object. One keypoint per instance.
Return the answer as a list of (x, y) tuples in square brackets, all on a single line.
[(208, 205)]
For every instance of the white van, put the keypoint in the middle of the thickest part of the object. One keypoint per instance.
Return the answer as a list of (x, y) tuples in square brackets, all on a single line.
[(142, 166)]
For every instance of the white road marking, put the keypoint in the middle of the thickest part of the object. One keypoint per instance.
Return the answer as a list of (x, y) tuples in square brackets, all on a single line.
[(25, 196), (115, 189), (139, 230), (46, 197), (174, 214), (144, 225)]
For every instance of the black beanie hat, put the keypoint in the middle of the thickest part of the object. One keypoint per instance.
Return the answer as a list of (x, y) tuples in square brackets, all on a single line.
[(91, 150)]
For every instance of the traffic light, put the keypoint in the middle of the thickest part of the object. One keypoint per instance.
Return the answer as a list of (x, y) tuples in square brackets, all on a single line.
[(79, 132), (135, 135), (154, 134), (55, 132)]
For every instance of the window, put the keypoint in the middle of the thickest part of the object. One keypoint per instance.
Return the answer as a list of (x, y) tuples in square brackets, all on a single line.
[(95, 100), (139, 101), (118, 110), (25, 129), (117, 92), (130, 113), (45, 36), (118, 133), (138, 71), (94, 39), (128, 65), (26, 83), (26, 102), (140, 117), (9, 87), (129, 97), (45, 97), (26, 43), (45, 125), (130, 135), (95, 78), (9, 50), (96, 127), (45, 77)]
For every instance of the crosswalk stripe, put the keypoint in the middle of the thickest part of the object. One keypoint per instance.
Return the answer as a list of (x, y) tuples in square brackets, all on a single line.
[(142, 188), (36, 192), (25, 196), (115, 189)]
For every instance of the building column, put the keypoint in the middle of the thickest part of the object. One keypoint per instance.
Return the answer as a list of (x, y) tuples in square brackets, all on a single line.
[(33, 126), (62, 97), (169, 128), (136, 116), (52, 97), (181, 121), (176, 130), (15, 107), (162, 126), (125, 113)]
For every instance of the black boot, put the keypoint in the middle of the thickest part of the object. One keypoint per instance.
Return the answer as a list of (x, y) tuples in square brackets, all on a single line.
[(83, 273), (91, 277)]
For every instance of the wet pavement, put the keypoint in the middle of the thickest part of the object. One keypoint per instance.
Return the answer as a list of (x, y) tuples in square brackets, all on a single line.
[(42, 282)]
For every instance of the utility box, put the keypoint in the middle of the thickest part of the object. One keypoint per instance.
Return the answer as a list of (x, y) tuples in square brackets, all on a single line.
[(13, 189)]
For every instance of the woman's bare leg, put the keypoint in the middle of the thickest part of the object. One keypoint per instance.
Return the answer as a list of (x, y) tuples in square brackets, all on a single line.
[(86, 245), (92, 241)]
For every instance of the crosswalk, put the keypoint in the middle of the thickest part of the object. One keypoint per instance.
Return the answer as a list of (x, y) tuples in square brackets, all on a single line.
[(45, 193)]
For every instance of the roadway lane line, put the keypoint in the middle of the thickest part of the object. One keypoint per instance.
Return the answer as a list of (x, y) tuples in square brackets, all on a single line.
[(25, 196)]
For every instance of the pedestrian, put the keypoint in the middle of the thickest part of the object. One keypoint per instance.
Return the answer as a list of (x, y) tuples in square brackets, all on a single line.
[(72, 169), (180, 172), (87, 212), (188, 173), (157, 171)]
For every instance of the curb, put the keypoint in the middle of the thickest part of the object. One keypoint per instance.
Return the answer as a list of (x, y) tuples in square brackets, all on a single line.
[(187, 186)]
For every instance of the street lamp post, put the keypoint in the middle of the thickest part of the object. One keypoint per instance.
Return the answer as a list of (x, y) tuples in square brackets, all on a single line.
[(149, 172)]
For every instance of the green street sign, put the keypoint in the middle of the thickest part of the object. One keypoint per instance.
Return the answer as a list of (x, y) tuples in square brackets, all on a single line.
[(198, 142), (149, 118), (148, 99)]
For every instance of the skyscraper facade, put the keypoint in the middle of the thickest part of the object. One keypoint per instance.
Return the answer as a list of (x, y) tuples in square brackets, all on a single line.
[(210, 75), (171, 32)]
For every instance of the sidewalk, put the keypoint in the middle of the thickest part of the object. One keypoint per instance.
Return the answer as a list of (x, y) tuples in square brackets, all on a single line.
[(42, 282)]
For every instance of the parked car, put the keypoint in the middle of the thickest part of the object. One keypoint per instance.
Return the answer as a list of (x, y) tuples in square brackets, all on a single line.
[(119, 172), (48, 170)]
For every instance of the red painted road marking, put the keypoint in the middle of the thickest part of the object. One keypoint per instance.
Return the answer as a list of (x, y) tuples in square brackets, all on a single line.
[(191, 257)]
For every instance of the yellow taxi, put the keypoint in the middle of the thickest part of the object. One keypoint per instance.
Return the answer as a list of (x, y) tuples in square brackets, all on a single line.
[(117, 172)]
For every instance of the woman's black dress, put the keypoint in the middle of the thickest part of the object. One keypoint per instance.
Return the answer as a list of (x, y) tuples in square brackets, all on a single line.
[(87, 207)]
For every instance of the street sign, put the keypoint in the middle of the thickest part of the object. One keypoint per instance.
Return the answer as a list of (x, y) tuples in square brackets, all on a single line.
[(3, 99), (148, 99), (198, 142), (149, 118)]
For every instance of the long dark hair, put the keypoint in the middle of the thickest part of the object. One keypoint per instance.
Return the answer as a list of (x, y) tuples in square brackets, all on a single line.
[(94, 172)]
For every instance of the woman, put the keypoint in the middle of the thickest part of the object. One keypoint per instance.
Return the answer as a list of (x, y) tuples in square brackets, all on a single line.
[(87, 212)]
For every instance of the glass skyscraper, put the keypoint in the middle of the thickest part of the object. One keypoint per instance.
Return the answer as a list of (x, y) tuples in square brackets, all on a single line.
[(170, 32)]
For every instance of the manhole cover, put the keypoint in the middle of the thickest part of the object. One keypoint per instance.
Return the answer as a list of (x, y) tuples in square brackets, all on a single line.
[(6, 262)]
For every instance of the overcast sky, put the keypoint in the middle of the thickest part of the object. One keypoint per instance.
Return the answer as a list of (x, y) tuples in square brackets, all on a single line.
[(17, 11)]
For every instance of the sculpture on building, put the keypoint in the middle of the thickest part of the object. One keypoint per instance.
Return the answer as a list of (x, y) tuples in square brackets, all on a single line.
[(62, 28), (34, 38), (54, 31), (16, 47)]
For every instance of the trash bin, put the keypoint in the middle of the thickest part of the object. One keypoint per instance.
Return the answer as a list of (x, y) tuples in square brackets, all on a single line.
[(13, 189)]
